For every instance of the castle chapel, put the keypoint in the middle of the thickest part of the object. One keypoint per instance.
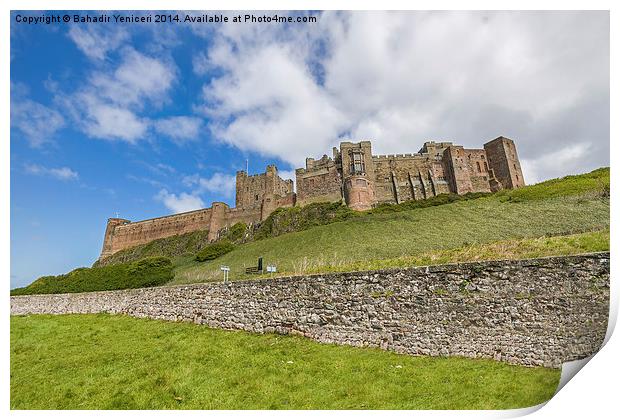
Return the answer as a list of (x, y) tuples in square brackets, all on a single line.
[(352, 175)]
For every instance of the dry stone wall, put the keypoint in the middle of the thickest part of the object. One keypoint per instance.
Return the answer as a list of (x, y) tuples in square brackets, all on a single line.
[(532, 312)]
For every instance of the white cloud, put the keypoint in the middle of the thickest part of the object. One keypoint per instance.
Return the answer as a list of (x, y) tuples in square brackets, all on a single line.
[(181, 203), (97, 40), (108, 106), (218, 183), (111, 122), (180, 129), (38, 122), (400, 78), (556, 164), (64, 173), (137, 79)]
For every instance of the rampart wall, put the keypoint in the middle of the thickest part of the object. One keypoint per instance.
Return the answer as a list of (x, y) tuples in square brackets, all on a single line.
[(353, 176), (533, 312), (401, 178), (121, 234)]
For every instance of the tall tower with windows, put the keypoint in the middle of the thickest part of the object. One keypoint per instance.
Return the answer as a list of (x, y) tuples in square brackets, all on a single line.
[(504, 162), (357, 174)]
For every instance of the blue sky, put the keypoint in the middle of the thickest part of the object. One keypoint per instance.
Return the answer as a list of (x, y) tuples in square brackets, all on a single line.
[(147, 120)]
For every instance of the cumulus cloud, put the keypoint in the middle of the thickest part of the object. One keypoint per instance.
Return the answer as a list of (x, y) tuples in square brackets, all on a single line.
[(64, 173), (179, 203), (108, 107), (138, 78), (36, 121), (218, 183), (568, 158), (400, 78), (180, 129), (109, 121), (97, 40)]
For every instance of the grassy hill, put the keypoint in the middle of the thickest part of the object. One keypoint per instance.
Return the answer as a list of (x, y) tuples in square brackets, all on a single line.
[(391, 235), (117, 362), (563, 216), (171, 247)]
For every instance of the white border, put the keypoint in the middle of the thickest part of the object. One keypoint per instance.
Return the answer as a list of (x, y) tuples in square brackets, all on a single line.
[(593, 392)]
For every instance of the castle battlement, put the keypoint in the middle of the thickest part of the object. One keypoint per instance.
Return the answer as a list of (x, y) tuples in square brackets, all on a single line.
[(353, 176)]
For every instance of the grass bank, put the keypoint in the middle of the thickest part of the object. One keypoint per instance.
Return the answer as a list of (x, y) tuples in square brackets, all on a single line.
[(401, 234), (512, 249), (117, 362)]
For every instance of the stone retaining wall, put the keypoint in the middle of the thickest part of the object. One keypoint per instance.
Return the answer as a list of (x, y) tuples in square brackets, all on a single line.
[(532, 312)]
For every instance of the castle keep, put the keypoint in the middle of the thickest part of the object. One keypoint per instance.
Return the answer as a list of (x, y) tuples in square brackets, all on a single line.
[(353, 175)]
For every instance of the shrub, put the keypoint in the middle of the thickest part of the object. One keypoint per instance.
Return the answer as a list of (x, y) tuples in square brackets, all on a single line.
[(148, 272), (294, 219), (212, 251), (172, 246), (236, 232)]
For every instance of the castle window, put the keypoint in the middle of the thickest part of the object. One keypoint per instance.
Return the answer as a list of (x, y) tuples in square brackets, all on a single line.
[(478, 166), (256, 197), (515, 165), (486, 167), (357, 163)]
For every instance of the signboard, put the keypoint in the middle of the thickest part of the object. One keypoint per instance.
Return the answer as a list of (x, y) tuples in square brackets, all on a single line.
[(225, 269), (271, 268)]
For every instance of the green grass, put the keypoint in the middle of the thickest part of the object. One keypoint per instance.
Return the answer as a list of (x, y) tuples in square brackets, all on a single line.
[(117, 362), (147, 272), (214, 250), (173, 247), (593, 184), (407, 233), (512, 249)]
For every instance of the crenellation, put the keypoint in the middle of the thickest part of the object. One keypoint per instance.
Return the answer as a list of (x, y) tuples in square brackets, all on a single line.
[(352, 175)]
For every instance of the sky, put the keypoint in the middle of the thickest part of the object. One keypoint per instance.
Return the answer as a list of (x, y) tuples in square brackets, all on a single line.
[(144, 120)]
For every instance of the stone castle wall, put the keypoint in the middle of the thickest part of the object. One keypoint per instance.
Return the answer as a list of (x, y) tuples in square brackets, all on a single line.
[(320, 181), (504, 162), (251, 190), (122, 234), (257, 197), (407, 177), (438, 168), (532, 312)]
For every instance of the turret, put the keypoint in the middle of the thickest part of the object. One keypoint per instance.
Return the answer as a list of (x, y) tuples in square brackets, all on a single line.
[(108, 238), (357, 168), (504, 162)]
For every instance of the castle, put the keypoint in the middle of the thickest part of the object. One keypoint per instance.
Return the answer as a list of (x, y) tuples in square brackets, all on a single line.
[(353, 176)]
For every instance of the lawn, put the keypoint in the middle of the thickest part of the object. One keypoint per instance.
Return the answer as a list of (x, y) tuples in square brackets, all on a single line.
[(402, 234), (118, 362), (512, 249)]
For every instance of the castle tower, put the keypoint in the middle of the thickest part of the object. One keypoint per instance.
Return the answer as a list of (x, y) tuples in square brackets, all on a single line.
[(504, 162), (108, 238), (456, 170), (218, 219), (240, 188), (357, 173)]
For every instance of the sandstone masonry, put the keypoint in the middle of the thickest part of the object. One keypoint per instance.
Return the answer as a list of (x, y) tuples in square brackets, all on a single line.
[(353, 176), (532, 312)]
